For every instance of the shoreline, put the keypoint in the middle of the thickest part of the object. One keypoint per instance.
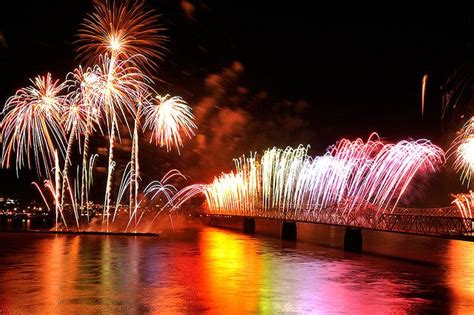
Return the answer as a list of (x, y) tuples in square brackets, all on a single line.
[(83, 232)]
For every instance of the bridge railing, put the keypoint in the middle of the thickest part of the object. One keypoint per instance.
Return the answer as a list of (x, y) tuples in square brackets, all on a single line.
[(442, 222)]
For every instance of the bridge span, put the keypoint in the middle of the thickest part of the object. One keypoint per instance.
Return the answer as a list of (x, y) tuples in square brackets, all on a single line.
[(434, 222)]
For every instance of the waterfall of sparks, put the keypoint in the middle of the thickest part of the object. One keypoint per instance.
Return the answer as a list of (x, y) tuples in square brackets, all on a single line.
[(351, 176), (463, 149), (465, 204)]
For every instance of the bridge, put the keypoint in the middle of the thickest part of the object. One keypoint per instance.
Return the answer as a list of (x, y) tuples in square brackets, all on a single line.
[(356, 185), (434, 222)]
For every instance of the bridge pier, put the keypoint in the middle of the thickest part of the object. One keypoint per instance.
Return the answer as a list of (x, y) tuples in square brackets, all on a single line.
[(288, 230), (353, 240), (249, 225)]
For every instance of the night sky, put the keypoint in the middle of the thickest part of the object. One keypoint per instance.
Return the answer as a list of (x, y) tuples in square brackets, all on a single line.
[(357, 73)]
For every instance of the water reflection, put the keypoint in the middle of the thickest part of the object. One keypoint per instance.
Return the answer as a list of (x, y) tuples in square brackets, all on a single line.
[(460, 276), (232, 268), (220, 271)]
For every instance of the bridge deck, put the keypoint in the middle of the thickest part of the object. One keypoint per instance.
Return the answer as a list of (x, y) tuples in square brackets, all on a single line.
[(439, 222)]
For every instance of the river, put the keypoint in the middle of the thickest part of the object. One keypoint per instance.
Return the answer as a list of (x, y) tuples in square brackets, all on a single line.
[(214, 270)]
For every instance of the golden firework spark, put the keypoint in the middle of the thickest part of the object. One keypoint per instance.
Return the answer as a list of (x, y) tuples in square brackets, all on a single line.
[(122, 29), (32, 125), (168, 118)]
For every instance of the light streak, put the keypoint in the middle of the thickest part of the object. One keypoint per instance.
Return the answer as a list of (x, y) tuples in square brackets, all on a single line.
[(423, 92), (32, 125), (168, 118), (123, 29), (463, 150), (352, 175)]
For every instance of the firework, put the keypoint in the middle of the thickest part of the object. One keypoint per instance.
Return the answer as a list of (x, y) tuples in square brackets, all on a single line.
[(465, 204), (84, 85), (463, 150), (111, 90), (352, 175), (124, 183), (168, 119), (32, 125), (134, 166), (76, 118), (130, 35), (76, 115), (122, 29), (164, 189), (423, 92)]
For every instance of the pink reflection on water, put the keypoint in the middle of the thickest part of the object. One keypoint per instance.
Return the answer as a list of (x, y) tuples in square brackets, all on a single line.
[(220, 271)]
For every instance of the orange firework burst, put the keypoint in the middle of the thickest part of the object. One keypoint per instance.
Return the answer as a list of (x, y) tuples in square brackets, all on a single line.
[(32, 123), (124, 29)]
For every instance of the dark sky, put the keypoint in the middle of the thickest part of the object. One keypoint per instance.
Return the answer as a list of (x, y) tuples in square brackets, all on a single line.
[(359, 71)]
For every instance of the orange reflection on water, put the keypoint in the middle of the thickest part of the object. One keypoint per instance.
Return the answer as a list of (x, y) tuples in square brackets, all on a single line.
[(232, 269), (460, 276), (59, 258)]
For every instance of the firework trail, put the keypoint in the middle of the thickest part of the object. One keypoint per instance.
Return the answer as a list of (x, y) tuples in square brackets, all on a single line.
[(88, 180), (38, 188), (125, 85), (110, 91), (423, 92), (54, 189), (135, 169), (86, 85), (124, 183), (76, 114), (32, 124), (352, 176), (120, 36), (134, 166), (167, 119)]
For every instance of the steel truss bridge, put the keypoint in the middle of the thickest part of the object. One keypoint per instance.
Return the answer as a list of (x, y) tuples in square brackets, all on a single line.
[(436, 222)]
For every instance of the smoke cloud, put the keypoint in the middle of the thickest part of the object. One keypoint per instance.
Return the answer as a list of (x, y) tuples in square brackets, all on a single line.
[(232, 120)]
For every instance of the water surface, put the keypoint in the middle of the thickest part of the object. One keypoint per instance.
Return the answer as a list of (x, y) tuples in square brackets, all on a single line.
[(221, 271)]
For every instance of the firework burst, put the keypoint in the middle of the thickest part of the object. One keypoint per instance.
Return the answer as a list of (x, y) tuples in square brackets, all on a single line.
[(76, 115), (123, 29), (463, 150), (168, 119), (32, 125)]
